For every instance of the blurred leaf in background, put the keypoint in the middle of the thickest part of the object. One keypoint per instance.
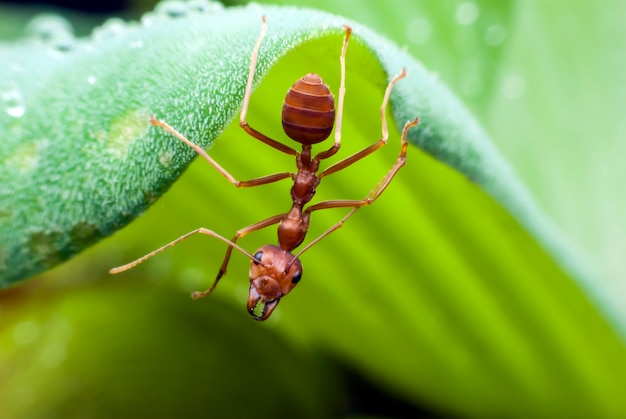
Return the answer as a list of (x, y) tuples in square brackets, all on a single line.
[(543, 84)]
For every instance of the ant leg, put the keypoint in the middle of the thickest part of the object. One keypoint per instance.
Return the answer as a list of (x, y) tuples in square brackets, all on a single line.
[(371, 197), (326, 233), (246, 100), (242, 122), (205, 231), (240, 233), (238, 183), (380, 143), (340, 100)]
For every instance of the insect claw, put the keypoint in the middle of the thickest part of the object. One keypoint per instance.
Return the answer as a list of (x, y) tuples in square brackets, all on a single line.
[(199, 294)]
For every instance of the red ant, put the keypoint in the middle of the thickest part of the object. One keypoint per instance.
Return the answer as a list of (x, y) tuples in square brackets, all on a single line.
[(308, 117)]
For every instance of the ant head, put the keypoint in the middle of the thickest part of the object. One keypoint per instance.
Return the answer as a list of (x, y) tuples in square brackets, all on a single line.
[(309, 110), (273, 273)]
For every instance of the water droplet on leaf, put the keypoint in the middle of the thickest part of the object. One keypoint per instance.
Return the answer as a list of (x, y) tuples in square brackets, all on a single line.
[(467, 13), (13, 101), (46, 26), (204, 6), (171, 8), (110, 29), (52, 30)]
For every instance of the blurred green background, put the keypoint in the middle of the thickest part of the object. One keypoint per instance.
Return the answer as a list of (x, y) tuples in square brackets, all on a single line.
[(545, 80)]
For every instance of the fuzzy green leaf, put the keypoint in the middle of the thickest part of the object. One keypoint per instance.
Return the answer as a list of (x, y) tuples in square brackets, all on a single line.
[(453, 288)]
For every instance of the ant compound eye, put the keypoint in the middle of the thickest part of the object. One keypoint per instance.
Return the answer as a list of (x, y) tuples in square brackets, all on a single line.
[(296, 277), (258, 256)]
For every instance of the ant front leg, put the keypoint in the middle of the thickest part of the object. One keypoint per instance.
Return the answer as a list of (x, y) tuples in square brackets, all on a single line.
[(238, 183), (369, 199), (340, 165), (232, 244), (340, 100), (246, 100), (173, 243)]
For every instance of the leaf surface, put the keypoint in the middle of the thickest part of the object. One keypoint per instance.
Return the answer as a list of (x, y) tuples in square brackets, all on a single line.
[(453, 288)]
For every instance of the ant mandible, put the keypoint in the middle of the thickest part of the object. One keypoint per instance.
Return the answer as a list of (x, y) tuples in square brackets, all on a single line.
[(308, 117)]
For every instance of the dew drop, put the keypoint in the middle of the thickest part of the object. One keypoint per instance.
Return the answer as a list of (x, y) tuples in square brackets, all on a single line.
[(204, 6), (466, 13), (91, 79), (46, 26), (419, 31), (513, 87), (147, 19), (64, 43), (13, 102), (171, 8), (110, 29), (495, 35), (52, 30)]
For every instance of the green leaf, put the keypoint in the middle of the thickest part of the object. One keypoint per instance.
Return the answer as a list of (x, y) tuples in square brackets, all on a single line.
[(61, 354), (452, 289)]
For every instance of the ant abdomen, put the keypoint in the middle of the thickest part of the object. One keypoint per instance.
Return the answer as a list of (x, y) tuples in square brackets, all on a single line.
[(308, 118), (309, 110)]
